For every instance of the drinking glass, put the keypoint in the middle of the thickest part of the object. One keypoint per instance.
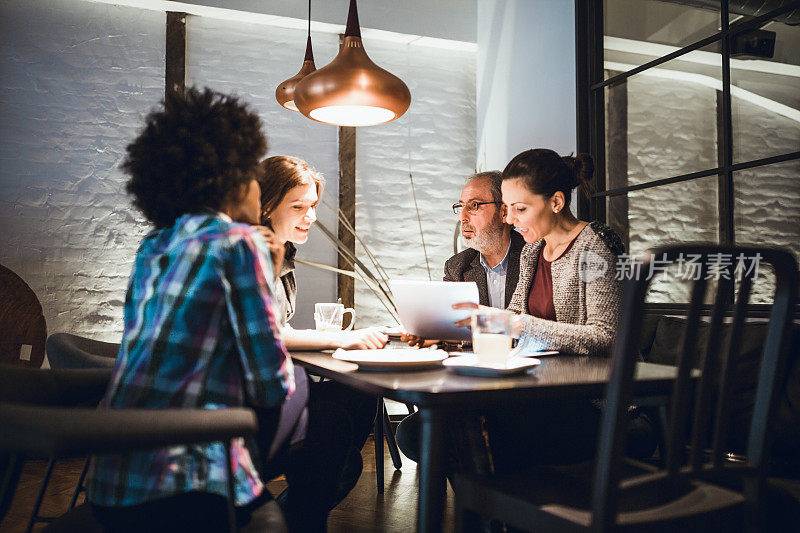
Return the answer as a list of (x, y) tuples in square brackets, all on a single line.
[(492, 335), (329, 316)]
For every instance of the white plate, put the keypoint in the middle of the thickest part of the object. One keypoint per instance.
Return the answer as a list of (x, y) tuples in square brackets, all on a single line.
[(399, 358), (469, 366)]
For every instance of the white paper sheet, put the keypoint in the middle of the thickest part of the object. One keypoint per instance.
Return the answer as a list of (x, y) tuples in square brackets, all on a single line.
[(425, 307)]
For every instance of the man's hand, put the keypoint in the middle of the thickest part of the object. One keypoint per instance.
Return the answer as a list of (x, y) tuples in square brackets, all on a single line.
[(276, 249), (413, 340), (465, 323), (361, 339)]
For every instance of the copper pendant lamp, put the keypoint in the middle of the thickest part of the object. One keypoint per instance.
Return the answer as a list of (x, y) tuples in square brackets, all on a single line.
[(284, 94), (352, 90)]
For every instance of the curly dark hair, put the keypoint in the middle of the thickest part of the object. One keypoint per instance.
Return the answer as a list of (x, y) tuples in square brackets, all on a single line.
[(194, 154)]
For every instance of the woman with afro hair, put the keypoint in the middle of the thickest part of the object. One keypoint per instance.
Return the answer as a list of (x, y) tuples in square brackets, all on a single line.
[(200, 329)]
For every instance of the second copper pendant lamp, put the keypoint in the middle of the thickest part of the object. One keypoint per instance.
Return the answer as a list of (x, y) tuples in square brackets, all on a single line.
[(284, 94), (351, 90)]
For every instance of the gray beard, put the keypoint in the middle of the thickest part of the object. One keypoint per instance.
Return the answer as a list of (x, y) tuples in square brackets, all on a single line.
[(486, 242)]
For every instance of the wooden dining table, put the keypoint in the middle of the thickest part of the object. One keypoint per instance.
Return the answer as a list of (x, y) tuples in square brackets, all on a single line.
[(439, 390)]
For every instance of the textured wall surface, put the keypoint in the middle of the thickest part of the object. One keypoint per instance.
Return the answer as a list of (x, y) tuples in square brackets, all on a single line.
[(436, 137), (251, 60), (434, 142), (525, 78), (76, 79), (672, 131)]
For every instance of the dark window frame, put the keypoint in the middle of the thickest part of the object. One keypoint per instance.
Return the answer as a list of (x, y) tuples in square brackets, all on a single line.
[(590, 119)]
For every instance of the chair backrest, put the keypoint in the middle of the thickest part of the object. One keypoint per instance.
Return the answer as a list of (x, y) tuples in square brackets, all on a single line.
[(691, 419), (22, 325), (65, 350), (40, 387), (53, 387)]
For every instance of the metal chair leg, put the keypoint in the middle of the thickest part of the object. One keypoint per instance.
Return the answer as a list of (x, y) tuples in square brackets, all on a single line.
[(390, 439), (10, 478), (35, 513), (80, 487), (378, 437)]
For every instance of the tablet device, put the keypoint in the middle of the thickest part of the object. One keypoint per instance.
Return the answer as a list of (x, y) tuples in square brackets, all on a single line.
[(425, 307)]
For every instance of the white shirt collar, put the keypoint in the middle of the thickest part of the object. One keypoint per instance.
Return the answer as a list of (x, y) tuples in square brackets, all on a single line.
[(501, 265)]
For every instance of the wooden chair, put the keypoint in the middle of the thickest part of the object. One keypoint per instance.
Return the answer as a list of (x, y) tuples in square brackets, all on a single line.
[(695, 490), (22, 325)]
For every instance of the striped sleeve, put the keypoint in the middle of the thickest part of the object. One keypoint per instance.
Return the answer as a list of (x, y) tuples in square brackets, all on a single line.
[(246, 275)]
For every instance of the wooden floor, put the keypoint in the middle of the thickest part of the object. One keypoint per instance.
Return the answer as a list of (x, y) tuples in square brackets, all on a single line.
[(364, 510)]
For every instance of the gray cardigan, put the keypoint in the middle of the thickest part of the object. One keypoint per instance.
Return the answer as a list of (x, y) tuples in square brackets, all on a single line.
[(587, 312)]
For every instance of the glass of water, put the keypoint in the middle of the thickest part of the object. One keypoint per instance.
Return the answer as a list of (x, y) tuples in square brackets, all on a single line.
[(492, 335)]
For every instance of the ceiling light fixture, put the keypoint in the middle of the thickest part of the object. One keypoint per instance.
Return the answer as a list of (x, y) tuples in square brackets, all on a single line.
[(284, 94), (352, 90)]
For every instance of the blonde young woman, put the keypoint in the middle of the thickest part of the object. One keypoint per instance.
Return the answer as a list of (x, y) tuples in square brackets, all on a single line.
[(339, 418), (290, 193)]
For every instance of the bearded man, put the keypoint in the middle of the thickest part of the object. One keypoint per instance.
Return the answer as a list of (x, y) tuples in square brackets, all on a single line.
[(491, 260), (492, 256)]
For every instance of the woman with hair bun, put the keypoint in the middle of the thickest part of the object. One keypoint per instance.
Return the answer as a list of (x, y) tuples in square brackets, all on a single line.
[(567, 291), (568, 298)]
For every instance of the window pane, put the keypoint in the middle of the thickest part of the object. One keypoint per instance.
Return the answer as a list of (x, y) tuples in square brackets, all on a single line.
[(765, 97), (662, 123), (767, 212), (679, 212), (638, 31)]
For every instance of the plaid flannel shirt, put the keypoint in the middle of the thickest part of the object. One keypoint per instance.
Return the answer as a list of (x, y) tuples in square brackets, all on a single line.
[(200, 332)]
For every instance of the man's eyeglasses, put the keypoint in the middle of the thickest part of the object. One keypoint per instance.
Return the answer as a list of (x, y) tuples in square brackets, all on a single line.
[(471, 206)]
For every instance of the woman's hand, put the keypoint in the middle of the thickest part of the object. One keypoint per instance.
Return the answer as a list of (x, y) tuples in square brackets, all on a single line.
[(361, 339), (465, 323), (276, 248), (413, 340)]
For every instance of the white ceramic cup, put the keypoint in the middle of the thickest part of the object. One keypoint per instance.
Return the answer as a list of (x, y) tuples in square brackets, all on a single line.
[(492, 335), (329, 316)]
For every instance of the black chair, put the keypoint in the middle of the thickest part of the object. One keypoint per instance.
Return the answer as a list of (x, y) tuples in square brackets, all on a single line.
[(34, 387), (382, 429), (65, 350), (696, 488), (45, 430)]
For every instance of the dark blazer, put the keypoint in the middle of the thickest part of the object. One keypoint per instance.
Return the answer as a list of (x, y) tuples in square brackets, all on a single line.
[(466, 266)]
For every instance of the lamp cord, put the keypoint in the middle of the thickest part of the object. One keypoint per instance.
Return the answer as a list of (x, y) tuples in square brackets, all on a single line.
[(309, 18)]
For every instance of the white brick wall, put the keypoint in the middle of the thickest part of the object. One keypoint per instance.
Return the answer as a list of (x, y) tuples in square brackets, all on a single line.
[(79, 77), (251, 60), (766, 199), (672, 131), (434, 141), (76, 81)]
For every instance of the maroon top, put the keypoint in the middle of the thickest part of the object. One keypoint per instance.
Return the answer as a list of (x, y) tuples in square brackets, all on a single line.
[(540, 298)]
